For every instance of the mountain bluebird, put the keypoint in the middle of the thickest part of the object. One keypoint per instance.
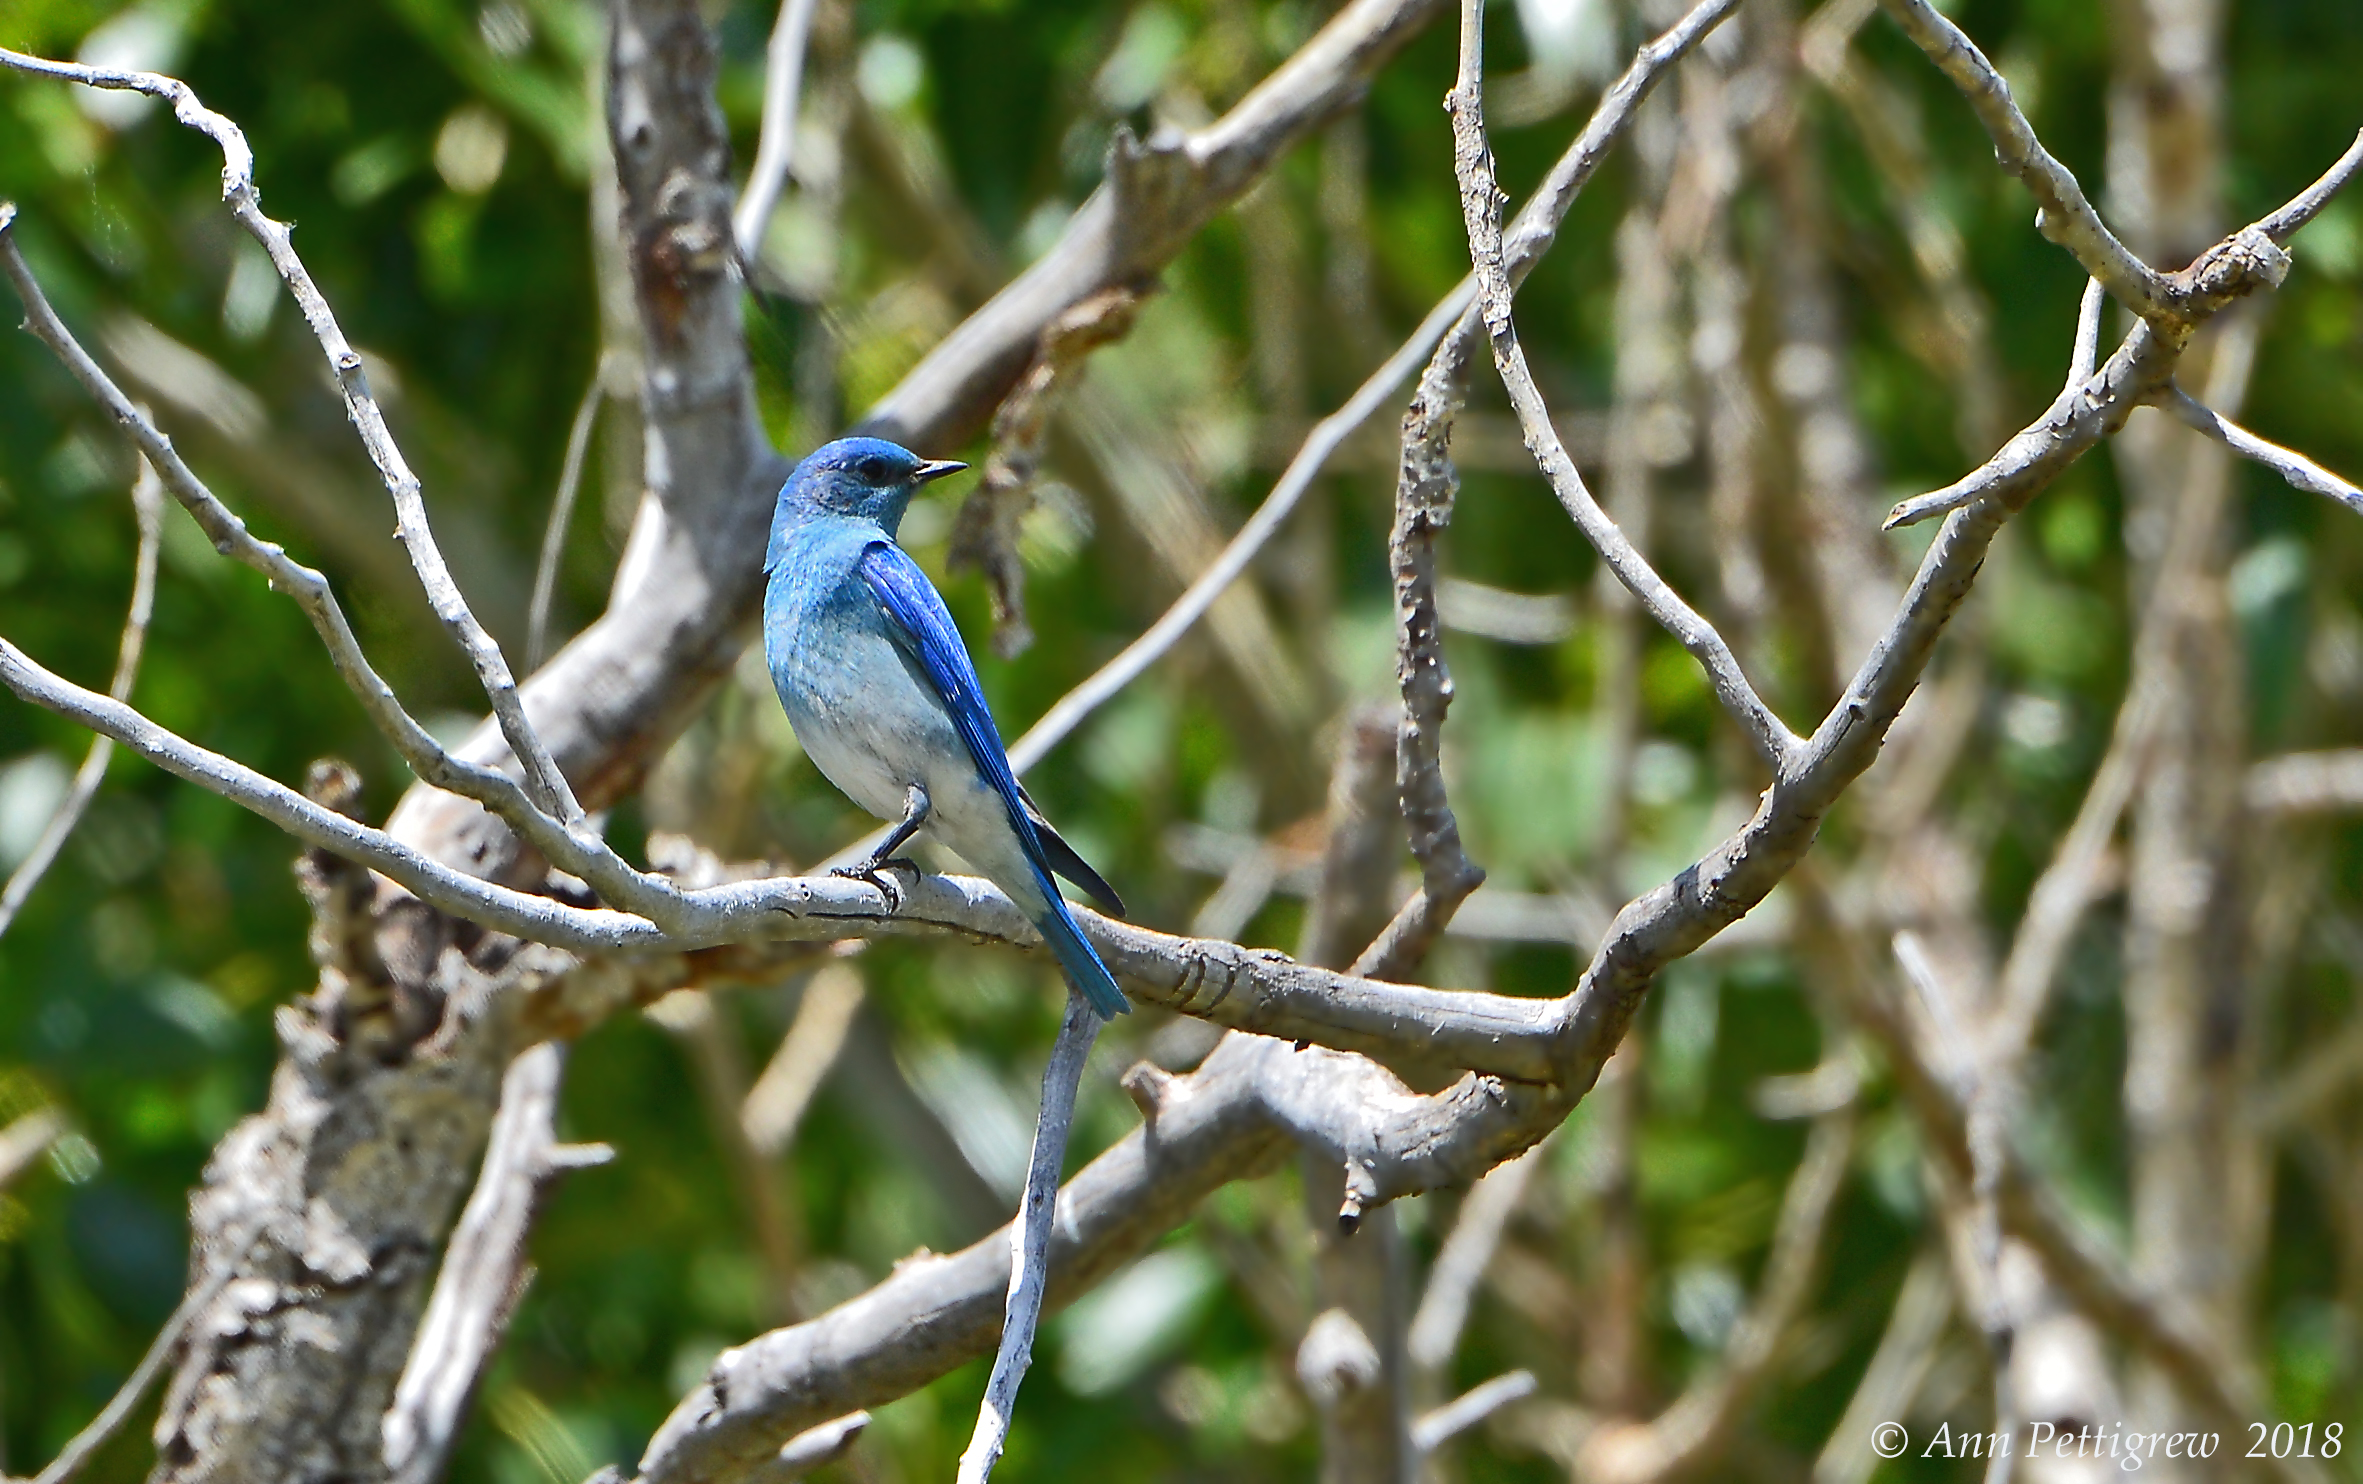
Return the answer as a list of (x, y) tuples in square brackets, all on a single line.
[(886, 703)]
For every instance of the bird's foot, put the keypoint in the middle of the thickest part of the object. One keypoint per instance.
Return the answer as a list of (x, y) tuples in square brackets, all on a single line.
[(874, 871)]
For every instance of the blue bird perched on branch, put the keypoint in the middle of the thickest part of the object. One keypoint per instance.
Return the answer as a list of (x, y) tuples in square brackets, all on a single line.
[(886, 702)]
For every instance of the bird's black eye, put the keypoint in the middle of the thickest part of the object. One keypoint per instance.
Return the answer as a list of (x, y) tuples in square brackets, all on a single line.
[(873, 470)]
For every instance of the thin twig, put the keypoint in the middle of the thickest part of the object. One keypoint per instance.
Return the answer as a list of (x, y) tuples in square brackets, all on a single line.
[(2300, 472), (1984, 1082), (485, 1270), (25, 1140), (1699, 1423), (1959, 493), (2299, 783), (2086, 355), (1481, 212), (1426, 487), (147, 504), (985, 533), (1471, 1407), (581, 851), (775, 1105), (2067, 218), (1898, 1368), (570, 478), (2069, 882), (544, 783), (814, 1446), (783, 78), (2308, 203), (1029, 1255), (2307, 1084), (118, 1410), (1461, 1262), (1069, 712)]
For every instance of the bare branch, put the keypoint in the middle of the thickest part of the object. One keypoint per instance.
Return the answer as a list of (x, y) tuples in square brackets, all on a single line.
[(570, 478), (579, 851), (1365, 842), (935, 1313), (1352, 1359), (2069, 883), (1890, 1383), (2066, 218), (783, 77), (2328, 1070), (1029, 1258), (147, 503), (1460, 1263), (1699, 1423), (527, 916), (780, 1096), (1481, 209), (544, 782), (2087, 352), (2308, 203), (2141, 371), (1157, 193), (814, 1446), (1216, 981), (1060, 721), (1471, 1407), (2071, 880), (2300, 472), (102, 1428), (485, 1271), (2300, 783), (1426, 487), (2212, 1382), (985, 533), (25, 1140)]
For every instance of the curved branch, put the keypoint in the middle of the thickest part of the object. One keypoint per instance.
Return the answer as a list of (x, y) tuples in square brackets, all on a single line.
[(2295, 468), (1481, 212), (775, 148), (543, 780), (579, 851), (147, 503), (2067, 217)]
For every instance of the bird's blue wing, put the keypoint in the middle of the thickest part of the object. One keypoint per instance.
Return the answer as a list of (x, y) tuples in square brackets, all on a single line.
[(916, 614), (927, 634)]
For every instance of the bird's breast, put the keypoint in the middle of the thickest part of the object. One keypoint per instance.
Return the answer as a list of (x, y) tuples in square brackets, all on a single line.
[(870, 726)]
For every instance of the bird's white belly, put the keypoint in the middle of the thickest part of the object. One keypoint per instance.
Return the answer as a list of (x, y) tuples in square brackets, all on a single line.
[(873, 731)]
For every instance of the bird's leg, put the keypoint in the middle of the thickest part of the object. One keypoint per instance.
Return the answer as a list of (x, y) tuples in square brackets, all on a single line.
[(884, 857)]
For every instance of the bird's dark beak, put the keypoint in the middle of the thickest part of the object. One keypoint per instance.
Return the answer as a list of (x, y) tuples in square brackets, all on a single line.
[(935, 469)]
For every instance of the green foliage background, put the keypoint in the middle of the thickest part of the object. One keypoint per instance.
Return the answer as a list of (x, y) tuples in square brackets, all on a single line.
[(137, 992)]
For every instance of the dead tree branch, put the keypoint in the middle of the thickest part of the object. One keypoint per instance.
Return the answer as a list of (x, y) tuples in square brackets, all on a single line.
[(1481, 203), (1029, 1260), (147, 504), (2299, 471), (485, 1271), (775, 147), (1426, 486)]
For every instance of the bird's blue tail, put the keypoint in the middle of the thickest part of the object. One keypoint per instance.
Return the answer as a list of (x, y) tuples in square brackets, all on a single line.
[(1082, 965)]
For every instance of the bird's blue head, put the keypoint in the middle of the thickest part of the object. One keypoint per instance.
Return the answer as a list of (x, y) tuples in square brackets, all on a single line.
[(867, 478)]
